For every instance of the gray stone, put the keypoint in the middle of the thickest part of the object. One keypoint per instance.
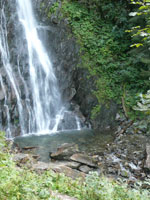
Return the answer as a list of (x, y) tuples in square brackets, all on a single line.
[(59, 168), (111, 170), (72, 173), (84, 168), (71, 164), (21, 158), (117, 117), (147, 161), (65, 151), (81, 158), (40, 166)]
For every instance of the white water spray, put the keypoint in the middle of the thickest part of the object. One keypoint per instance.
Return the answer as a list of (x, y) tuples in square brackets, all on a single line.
[(45, 93), (39, 106)]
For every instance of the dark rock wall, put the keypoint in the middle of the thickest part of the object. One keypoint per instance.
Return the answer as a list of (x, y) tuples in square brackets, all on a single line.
[(76, 88)]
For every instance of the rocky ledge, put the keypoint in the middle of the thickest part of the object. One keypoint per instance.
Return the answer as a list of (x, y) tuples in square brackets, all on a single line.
[(127, 157)]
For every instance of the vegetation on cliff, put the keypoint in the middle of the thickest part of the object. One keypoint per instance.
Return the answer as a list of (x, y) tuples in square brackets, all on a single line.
[(100, 29)]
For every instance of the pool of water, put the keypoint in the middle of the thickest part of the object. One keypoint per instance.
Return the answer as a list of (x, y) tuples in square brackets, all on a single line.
[(88, 141)]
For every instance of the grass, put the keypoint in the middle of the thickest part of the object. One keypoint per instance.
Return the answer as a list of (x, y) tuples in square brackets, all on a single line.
[(25, 184)]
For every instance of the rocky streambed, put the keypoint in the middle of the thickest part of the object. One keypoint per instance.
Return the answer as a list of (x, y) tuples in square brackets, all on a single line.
[(77, 153)]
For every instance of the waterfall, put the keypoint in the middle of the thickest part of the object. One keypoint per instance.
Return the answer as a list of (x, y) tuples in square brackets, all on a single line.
[(47, 106), (38, 98)]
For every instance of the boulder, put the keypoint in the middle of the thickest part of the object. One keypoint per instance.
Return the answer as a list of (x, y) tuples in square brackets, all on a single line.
[(85, 159), (85, 169), (65, 151), (21, 158)]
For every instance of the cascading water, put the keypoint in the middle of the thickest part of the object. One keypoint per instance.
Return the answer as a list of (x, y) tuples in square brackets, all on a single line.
[(47, 106), (39, 105)]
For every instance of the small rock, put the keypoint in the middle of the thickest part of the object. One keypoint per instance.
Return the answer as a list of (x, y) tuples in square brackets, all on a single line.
[(21, 158), (133, 167), (85, 169), (71, 164), (132, 180), (81, 158), (147, 161), (54, 20), (143, 175), (117, 117), (111, 170), (41, 166), (137, 173), (145, 186)]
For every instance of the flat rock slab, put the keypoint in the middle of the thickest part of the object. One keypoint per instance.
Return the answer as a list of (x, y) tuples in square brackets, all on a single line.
[(85, 169), (59, 168), (71, 164), (40, 166), (81, 158), (147, 161), (52, 165), (72, 173), (64, 151)]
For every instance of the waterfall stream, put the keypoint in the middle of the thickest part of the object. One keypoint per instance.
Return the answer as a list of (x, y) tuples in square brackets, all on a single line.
[(39, 104), (47, 106)]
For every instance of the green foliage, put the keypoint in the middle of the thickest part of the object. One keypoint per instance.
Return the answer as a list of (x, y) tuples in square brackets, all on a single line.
[(104, 48), (143, 30), (99, 27), (53, 9), (141, 39), (99, 48)]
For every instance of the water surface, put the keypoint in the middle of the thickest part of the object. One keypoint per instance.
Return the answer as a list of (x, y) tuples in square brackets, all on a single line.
[(88, 141)]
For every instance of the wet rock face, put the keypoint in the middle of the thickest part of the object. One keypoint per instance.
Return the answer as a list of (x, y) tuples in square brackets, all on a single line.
[(105, 119), (62, 48), (74, 82), (8, 99)]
